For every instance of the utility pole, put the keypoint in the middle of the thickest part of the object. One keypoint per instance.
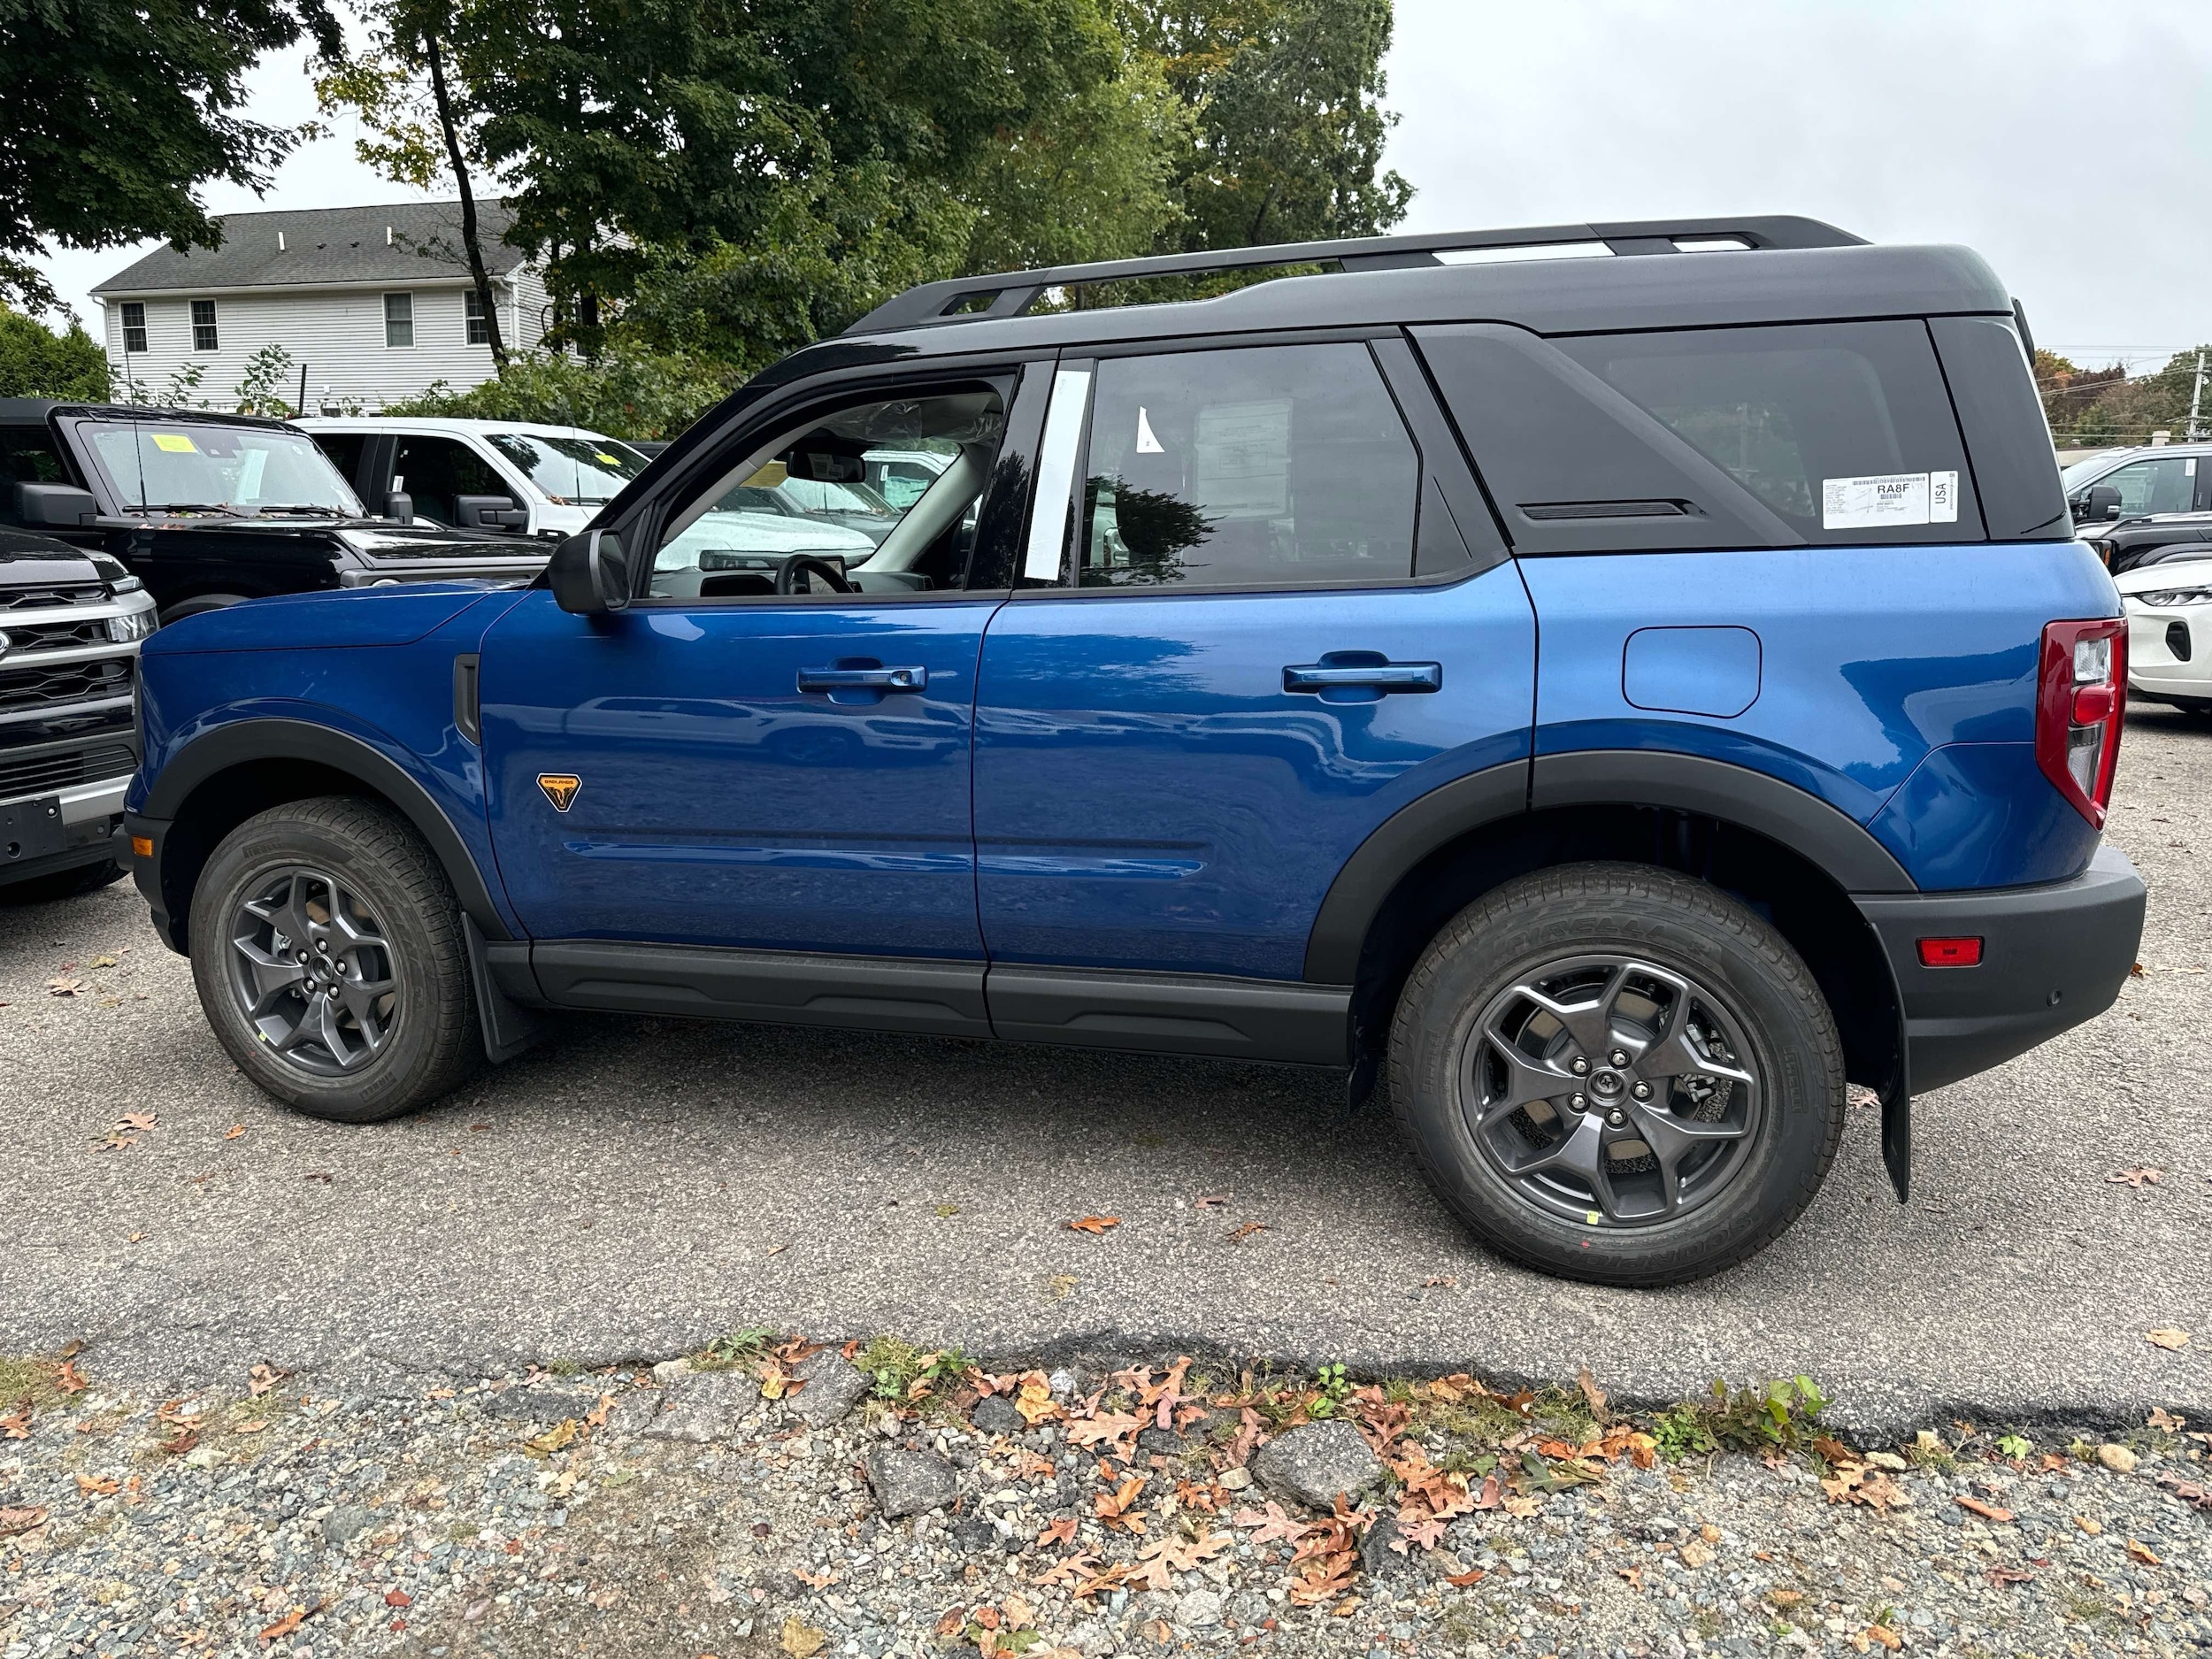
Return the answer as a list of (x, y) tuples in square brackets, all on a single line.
[(2196, 397)]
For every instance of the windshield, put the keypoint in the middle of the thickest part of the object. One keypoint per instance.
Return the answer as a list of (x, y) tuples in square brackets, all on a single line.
[(192, 463), (575, 472), (2083, 470)]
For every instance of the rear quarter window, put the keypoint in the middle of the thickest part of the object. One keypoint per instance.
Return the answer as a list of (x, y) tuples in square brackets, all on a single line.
[(1806, 434)]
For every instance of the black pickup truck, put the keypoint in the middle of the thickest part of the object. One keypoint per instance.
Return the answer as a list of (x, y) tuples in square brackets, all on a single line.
[(209, 508), (71, 620)]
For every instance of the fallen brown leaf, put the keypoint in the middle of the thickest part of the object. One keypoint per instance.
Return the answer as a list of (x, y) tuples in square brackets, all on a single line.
[(1237, 1235), (2167, 1337), (2000, 1577), (98, 1485), (16, 1521), (801, 1640), (2138, 1177), (1593, 1395), (1987, 1512), (1094, 1224), (233, 1132), (291, 1622), (2138, 1551)]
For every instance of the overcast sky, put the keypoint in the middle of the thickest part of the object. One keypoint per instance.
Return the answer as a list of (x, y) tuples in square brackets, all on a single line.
[(2070, 143)]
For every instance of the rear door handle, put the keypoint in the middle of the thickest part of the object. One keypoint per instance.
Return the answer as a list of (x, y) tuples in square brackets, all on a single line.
[(863, 678), (1380, 677)]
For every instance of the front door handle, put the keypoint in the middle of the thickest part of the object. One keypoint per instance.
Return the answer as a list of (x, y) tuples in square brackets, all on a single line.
[(863, 678), (1334, 672)]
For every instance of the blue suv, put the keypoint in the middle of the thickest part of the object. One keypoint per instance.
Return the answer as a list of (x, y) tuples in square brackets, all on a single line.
[(1624, 700)]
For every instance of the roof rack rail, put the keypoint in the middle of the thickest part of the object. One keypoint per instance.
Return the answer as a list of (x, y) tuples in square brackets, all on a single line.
[(1009, 293)]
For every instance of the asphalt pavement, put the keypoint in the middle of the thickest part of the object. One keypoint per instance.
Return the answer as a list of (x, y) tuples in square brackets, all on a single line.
[(635, 1187)]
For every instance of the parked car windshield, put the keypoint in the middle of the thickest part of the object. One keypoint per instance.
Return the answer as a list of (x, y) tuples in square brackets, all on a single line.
[(193, 464), (580, 472)]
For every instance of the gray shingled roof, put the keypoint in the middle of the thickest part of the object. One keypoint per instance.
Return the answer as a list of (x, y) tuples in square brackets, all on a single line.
[(330, 244)]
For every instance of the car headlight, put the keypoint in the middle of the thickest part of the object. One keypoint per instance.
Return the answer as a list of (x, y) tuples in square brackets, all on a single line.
[(132, 625), (2166, 598)]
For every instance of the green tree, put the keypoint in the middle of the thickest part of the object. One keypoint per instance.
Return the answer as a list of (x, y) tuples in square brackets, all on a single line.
[(625, 391), (417, 126), (800, 153), (36, 362), (114, 112), (1288, 125)]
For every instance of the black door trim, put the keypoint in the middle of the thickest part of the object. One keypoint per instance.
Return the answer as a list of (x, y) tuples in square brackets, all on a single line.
[(924, 995), (1235, 1019), (1171, 1013)]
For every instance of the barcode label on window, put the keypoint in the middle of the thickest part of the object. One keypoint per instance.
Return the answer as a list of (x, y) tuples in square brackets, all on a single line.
[(1889, 498)]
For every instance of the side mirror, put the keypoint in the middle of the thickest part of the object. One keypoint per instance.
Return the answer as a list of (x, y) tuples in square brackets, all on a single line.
[(55, 505), (401, 506), (590, 573), (490, 512), (2104, 502)]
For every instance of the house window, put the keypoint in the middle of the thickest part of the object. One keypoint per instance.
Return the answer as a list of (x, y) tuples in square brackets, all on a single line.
[(134, 325), (399, 319), (473, 308), (203, 326)]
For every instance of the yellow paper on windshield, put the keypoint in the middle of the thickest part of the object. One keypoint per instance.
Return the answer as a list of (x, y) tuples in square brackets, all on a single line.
[(603, 458), (175, 443), (770, 475)]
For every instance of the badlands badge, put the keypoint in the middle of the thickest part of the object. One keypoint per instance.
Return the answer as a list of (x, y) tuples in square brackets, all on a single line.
[(560, 788)]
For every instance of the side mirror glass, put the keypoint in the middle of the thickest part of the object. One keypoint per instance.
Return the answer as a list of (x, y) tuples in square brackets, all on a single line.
[(2104, 502), (589, 573), (55, 505), (401, 506)]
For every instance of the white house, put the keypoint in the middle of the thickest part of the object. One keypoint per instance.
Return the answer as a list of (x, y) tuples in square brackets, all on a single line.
[(375, 303)]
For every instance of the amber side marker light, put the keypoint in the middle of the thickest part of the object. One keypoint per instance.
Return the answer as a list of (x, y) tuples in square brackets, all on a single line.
[(1951, 953), (142, 847)]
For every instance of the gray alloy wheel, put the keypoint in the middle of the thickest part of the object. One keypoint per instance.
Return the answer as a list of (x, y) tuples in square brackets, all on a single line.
[(313, 972), (1605, 1085), (1618, 1073), (328, 954)]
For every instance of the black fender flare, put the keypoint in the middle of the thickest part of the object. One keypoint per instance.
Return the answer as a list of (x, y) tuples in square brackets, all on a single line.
[(1720, 789), (275, 738)]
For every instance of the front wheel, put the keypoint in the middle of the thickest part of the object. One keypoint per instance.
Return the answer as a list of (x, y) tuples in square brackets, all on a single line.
[(327, 951), (1617, 1074)]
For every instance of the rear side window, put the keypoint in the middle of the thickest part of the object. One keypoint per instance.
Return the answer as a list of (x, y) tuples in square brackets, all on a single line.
[(1816, 433), (1272, 466), (344, 449), (1842, 430), (27, 456)]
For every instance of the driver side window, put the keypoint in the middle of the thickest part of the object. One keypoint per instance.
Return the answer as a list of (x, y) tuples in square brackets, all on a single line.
[(801, 514)]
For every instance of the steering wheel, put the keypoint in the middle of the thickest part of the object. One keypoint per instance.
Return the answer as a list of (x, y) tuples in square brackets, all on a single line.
[(798, 564)]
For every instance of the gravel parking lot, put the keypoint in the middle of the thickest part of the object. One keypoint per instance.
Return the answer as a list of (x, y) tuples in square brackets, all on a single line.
[(635, 1187)]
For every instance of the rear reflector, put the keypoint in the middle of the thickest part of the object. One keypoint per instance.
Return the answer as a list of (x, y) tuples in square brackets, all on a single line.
[(2081, 697), (1951, 953)]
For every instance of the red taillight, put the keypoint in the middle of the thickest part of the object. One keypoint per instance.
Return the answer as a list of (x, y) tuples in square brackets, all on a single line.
[(2081, 697), (1951, 953)]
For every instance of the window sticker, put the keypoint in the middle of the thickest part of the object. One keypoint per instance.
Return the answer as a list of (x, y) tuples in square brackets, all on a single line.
[(1242, 458), (1147, 443), (1882, 499), (175, 443)]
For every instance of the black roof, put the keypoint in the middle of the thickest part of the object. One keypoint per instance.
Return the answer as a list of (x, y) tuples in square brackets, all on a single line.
[(1788, 271), (27, 410), (397, 242)]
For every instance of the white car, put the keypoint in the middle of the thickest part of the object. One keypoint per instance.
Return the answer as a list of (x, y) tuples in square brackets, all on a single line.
[(2168, 609), (539, 480)]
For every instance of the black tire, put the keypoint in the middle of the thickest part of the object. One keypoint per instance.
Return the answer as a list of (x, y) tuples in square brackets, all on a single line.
[(398, 905), (1747, 999), (65, 883)]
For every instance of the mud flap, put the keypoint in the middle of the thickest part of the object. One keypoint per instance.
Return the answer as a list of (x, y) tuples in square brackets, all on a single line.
[(509, 1027)]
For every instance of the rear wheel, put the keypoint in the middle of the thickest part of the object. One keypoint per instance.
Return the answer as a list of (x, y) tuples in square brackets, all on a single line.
[(327, 952), (1618, 1074)]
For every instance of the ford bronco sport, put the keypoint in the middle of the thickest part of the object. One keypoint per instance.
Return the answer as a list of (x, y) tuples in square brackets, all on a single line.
[(1622, 699)]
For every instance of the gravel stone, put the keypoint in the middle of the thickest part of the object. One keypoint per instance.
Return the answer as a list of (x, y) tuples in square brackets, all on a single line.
[(705, 1406), (1314, 1461), (834, 1386), (1200, 1609), (996, 1414), (911, 1483), (345, 1523)]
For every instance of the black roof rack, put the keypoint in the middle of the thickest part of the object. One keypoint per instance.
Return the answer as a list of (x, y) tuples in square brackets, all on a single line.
[(977, 299)]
